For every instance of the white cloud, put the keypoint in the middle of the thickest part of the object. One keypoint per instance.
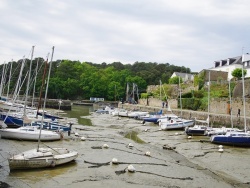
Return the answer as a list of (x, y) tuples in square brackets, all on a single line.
[(190, 33)]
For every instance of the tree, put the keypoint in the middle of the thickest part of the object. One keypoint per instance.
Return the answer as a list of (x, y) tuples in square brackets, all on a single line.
[(175, 80), (237, 73)]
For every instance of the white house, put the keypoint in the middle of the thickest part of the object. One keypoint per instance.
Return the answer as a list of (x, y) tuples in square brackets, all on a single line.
[(185, 76), (229, 64)]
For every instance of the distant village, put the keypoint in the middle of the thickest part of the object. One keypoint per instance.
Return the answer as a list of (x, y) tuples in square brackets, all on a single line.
[(222, 68)]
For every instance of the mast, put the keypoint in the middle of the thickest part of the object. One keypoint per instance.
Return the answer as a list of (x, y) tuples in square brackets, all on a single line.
[(243, 97), (180, 95), (208, 98), (9, 79), (41, 89), (34, 87), (28, 83), (230, 102), (45, 97)]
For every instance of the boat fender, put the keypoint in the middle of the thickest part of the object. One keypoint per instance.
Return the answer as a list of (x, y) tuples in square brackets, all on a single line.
[(61, 135), (53, 164)]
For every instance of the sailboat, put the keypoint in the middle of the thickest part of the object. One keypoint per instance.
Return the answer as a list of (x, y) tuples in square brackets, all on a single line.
[(235, 138), (42, 157)]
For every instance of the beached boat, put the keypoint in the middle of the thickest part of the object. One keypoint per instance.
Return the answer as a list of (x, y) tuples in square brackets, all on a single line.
[(52, 125), (235, 138), (175, 123), (232, 138), (30, 133), (118, 111), (198, 129), (41, 158), (157, 118)]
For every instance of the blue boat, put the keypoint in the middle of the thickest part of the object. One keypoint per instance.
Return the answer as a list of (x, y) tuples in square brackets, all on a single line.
[(155, 118), (53, 125), (241, 139)]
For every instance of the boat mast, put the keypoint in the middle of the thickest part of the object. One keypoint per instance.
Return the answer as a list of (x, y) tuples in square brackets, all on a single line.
[(9, 79), (45, 97), (28, 83), (180, 95), (243, 95), (230, 102), (208, 98), (34, 87)]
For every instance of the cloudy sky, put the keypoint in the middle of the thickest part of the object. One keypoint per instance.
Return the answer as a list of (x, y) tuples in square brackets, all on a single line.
[(190, 33)]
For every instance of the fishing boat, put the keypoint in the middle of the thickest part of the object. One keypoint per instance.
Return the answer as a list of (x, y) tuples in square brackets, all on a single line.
[(30, 133), (41, 158)]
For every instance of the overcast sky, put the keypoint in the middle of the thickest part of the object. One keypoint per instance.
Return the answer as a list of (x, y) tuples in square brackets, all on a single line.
[(190, 33)]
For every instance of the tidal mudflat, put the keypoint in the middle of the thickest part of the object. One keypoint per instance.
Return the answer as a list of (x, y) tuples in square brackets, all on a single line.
[(106, 149)]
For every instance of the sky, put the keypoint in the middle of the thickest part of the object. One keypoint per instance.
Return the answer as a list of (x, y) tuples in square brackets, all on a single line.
[(189, 33)]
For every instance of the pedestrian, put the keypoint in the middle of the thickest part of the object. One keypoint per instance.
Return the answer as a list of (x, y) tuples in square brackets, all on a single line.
[(238, 115), (166, 104), (163, 104)]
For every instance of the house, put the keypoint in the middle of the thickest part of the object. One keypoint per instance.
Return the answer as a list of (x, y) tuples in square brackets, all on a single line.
[(215, 75), (229, 64), (185, 76)]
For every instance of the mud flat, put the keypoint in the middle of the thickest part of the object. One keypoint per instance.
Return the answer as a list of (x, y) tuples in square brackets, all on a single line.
[(165, 159)]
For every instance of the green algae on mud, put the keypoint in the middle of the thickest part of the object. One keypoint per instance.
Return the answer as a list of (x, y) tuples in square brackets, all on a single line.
[(133, 136)]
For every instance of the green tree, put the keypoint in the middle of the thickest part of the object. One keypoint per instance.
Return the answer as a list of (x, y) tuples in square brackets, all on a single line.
[(175, 80), (237, 73)]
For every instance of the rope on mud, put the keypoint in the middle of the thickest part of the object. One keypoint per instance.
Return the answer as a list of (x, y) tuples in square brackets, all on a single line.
[(187, 178), (108, 163)]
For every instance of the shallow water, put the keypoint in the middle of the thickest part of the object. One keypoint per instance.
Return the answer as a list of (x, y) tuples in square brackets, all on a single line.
[(191, 164)]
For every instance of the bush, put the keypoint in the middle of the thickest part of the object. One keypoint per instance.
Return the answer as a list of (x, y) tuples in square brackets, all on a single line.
[(190, 103)]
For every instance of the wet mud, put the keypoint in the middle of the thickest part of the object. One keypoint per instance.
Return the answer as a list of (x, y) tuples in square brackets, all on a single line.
[(110, 148)]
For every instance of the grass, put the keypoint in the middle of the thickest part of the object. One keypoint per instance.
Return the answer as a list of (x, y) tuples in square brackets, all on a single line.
[(133, 136)]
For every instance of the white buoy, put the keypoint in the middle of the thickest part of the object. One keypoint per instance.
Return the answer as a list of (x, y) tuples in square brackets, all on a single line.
[(220, 150), (176, 133), (147, 153), (114, 161), (106, 146), (189, 137), (220, 146), (130, 145), (76, 134), (131, 168), (146, 130), (83, 138)]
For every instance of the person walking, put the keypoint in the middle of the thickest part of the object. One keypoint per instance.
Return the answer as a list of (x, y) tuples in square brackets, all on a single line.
[(238, 114), (163, 104)]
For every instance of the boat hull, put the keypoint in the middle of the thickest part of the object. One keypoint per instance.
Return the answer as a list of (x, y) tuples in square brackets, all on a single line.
[(231, 140), (30, 134), (40, 159)]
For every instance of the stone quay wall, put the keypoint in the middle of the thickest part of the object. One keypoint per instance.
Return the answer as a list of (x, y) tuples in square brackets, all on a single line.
[(219, 111)]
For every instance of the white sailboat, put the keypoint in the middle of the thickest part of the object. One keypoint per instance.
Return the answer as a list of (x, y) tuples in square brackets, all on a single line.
[(42, 157), (30, 133)]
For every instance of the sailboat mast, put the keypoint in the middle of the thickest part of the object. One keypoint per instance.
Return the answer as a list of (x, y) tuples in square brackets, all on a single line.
[(45, 97), (230, 102), (34, 87), (208, 98), (28, 83), (180, 94), (8, 89), (243, 97)]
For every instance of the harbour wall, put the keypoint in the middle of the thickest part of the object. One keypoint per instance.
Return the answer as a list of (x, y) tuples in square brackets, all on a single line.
[(218, 116)]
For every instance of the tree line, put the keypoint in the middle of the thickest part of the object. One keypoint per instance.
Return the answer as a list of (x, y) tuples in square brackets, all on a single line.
[(77, 80)]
